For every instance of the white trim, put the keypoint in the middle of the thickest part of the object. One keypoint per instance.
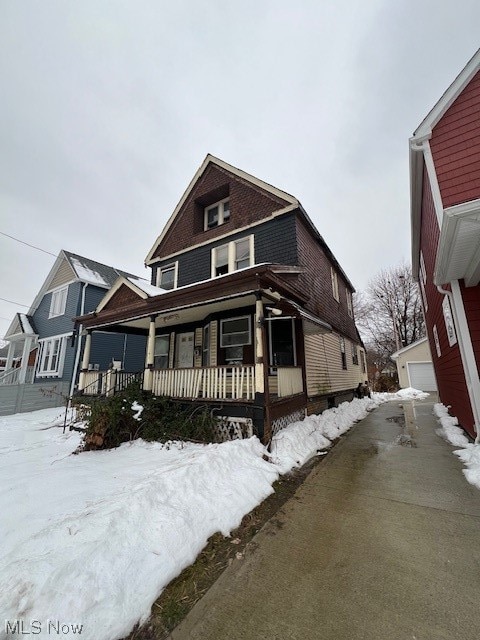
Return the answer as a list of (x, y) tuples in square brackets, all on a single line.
[(432, 177), (272, 216), (58, 371), (231, 255), (221, 214), (167, 267), (466, 352), (449, 97), (223, 320), (209, 159), (54, 296)]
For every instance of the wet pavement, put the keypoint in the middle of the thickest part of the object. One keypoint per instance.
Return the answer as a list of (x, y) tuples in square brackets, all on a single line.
[(382, 541)]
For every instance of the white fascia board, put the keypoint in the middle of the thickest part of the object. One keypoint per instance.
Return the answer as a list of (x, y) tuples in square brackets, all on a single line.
[(416, 192), (45, 286), (231, 169), (116, 286), (449, 97), (450, 233), (395, 355)]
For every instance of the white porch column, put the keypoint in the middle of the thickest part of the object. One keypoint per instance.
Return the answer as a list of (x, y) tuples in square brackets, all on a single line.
[(259, 355), (85, 360), (24, 365), (11, 351), (149, 361)]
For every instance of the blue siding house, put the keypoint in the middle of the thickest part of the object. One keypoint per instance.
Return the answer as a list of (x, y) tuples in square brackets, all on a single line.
[(42, 361)]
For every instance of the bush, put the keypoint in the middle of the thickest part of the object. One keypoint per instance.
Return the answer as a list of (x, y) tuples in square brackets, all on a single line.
[(134, 413)]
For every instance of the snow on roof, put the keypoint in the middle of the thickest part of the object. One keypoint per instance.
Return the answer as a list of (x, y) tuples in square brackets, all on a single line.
[(25, 322), (86, 274), (150, 289)]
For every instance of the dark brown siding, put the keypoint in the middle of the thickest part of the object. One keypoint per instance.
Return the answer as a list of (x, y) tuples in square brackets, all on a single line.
[(317, 282), (455, 147), (122, 298), (451, 382), (248, 204)]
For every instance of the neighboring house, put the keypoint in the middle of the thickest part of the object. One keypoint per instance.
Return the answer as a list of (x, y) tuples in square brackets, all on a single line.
[(248, 310), (42, 358), (445, 212), (414, 366)]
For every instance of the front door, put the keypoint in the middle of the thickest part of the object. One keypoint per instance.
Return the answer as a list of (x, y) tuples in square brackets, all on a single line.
[(184, 357)]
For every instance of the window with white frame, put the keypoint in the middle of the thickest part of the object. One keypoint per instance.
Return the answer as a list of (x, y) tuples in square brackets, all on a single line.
[(343, 353), (217, 214), (58, 302), (206, 346), (235, 332), (423, 281), (333, 274), (354, 354), (51, 356), (160, 357), (349, 303), (233, 256), (167, 276)]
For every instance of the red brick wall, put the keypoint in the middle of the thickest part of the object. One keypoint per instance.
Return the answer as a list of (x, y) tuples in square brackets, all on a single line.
[(455, 147), (248, 204), (318, 283), (451, 382)]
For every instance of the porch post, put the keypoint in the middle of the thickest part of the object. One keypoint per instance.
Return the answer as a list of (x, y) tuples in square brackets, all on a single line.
[(85, 360), (11, 351), (149, 362), (259, 355), (24, 365)]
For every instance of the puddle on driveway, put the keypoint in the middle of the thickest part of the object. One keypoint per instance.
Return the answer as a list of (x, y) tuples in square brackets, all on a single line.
[(409, 429)]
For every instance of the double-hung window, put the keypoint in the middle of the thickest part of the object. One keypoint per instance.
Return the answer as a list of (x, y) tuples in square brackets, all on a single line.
[(58, 302), (234, 334), (217, 214), (160, 357), (167, 276), (354, 354), (233, 256), (51, 356), (334, 277), (349, 303)]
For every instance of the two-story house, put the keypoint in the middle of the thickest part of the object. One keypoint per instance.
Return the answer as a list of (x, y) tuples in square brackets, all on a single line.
[(248, 310), (445, 214), (42, 359)]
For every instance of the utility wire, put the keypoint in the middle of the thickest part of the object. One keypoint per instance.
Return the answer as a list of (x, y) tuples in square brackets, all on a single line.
[(28, 245), (17, 303)]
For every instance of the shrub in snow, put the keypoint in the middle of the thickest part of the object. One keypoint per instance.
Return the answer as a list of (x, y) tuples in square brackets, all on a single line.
[(134, 413)]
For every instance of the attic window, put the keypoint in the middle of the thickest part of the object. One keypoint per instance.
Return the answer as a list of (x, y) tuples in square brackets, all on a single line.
[(58, 302), (217, 214)]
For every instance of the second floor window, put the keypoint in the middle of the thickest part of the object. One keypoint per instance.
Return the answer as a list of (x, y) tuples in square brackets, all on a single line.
[(349, 304), (217, 214), (232, 256), (167, 276), (333, 274), (58, 302)]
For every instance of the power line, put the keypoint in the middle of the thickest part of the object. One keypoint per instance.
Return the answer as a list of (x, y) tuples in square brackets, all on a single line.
[(28, 245), (17, 303)]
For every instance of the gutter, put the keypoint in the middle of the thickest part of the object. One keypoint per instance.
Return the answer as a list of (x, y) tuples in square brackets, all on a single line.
[(79, 345)]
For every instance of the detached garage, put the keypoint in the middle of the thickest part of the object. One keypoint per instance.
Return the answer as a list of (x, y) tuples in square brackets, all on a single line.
[(414, 366)]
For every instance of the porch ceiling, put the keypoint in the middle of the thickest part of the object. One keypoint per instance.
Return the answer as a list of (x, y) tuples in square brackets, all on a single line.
[(458, 254)]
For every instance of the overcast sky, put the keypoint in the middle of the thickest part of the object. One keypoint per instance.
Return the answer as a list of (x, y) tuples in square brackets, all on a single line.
[(108, 108)]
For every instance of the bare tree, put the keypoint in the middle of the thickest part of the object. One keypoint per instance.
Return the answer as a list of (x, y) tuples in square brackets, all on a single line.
[(389, 313)]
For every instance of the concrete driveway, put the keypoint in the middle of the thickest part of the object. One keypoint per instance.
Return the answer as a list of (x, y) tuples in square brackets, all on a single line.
[(382, 542)]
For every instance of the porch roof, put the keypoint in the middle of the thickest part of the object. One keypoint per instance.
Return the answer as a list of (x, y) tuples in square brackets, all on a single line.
[(218, 293)]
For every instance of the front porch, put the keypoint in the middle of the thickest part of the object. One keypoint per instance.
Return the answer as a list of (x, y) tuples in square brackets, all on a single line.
[(239, 347)]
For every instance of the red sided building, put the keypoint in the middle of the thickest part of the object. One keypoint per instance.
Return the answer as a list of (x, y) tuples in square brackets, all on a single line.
[(445, 217)]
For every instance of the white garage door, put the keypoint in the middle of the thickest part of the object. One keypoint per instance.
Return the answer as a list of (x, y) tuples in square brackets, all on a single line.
[(422, 376)]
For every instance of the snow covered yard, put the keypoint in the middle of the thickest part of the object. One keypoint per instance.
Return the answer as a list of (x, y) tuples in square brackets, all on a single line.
[(92, 539)]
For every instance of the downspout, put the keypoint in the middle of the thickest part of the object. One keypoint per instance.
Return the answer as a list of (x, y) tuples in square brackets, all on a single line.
[(465, 362), (79, 345)]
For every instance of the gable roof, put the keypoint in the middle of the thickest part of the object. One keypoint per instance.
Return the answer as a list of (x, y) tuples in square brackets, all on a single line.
[(424, 130), (82, 270), (212, 160), (142, 288), (413, 345), (21, 325)]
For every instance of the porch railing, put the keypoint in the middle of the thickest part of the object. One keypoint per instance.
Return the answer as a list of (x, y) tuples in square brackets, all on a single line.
[(290, 381), (214, 383), (108, 382), (12, 376)]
